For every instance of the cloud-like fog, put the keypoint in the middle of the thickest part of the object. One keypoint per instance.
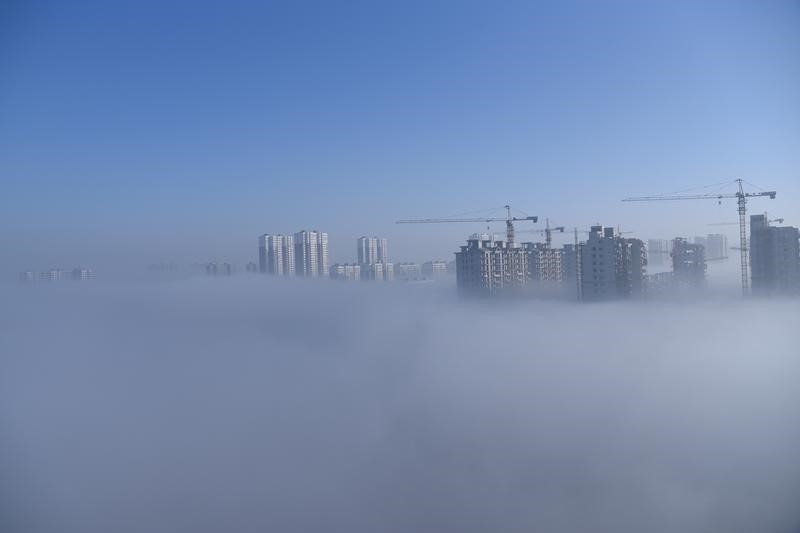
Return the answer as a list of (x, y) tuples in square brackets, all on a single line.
[(244, 405)]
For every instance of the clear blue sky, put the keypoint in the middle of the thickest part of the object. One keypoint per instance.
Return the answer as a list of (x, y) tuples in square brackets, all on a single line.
[(135, 132)]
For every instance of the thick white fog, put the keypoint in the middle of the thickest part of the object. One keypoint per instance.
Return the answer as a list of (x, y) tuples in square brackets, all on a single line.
[(246, 405)]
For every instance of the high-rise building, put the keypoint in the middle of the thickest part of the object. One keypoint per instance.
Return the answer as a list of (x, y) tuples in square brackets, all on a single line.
[(367, 250), (688, 262), (311, 254), (276, 255), (658, 251), (372, 250), (612, 267), (544, 263), (486, 266), (774, 256), (716, 246), (382, 250)]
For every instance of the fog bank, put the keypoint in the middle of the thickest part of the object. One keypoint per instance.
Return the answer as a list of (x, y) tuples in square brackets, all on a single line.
[(253, 405)]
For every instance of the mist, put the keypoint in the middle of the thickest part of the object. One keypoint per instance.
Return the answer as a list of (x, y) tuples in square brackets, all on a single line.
[(251, 404)]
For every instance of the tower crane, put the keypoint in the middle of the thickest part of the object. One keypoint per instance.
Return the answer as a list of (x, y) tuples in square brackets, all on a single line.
[(547, 231), (509, 220), (741, 200)]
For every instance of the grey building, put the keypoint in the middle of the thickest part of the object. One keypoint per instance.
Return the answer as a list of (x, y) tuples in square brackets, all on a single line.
[(434, 269), (372, 250), (311, 254), (774, 256), (408, 271), (688, 262), (485, 266), (658, 251), (377, 272), (276, 255), (545, 264), (612, 267), (716, 247), (346, 271)]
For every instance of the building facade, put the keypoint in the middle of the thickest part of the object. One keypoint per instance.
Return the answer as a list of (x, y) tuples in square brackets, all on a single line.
[(485, 266), (716, 247), (276, 255), (311, 254), (612, 267), (774, 257), (346, 271), (408, 271), (688, 262)]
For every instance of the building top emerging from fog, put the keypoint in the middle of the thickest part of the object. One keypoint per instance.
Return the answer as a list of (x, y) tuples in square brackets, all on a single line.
[(774, 256)]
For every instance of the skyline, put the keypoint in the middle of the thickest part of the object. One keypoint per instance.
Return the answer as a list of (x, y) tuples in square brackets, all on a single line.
[(162, 133)]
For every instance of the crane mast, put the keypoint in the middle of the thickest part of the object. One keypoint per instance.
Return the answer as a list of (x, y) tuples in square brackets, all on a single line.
[(741, 201)]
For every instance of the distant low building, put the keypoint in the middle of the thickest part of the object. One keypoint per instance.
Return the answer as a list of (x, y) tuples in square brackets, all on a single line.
[(408, 271), (434, 269), (346, 271), (57, 274), (82, 274), (377, 272), (218, 269)]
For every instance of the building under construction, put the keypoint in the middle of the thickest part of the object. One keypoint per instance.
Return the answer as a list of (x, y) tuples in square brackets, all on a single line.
[(612, 267), (487, 266), (688, 263), (774, 256)]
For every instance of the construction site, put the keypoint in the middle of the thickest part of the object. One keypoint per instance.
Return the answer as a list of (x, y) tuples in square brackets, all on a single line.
[(603, 263)]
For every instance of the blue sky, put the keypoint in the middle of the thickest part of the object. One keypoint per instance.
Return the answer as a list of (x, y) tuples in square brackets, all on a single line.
[(137, 132)]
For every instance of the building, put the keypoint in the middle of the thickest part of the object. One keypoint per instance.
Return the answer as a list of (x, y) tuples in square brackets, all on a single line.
[(367, 250), (346, 271), (658, 251), (544, 263), (408, 271), (82, 274), (716, 247), (688, 262), (57, 274), (702, 241), (774, 256), (251, 268), (218, 269), (377, 272), (54, 274), (434, 269), (276, 255), (485, 266), (311, 254), (372, 250), (612, 267)]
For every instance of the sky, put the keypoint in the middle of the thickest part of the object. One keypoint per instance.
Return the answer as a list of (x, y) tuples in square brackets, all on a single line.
[(140, 132), (250, 404)]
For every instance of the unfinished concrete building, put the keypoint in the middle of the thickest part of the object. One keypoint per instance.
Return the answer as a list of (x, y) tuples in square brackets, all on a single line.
[(486, 266), (612, 267), (688, 263)]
